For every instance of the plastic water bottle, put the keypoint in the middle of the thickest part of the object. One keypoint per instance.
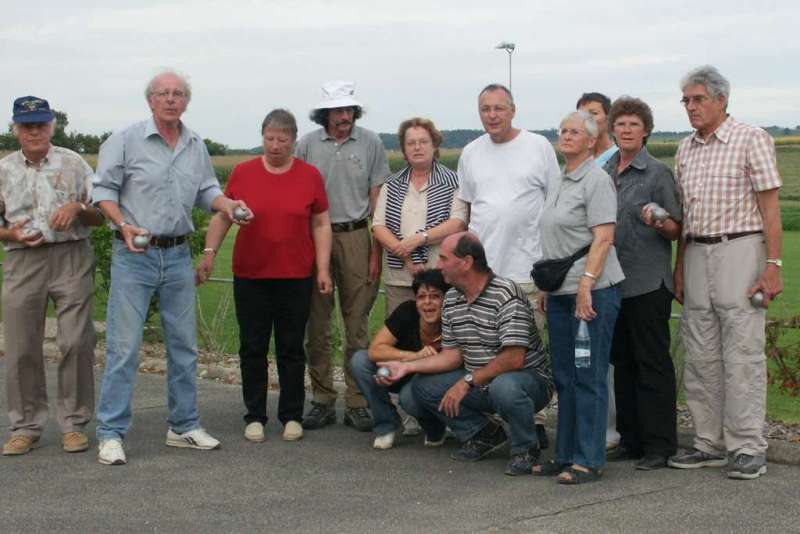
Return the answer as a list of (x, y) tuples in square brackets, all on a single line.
[(583, 349)]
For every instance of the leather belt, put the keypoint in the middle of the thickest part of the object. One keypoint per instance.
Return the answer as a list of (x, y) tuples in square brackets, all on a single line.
[(158, 242), (713, 240), (348, 226)]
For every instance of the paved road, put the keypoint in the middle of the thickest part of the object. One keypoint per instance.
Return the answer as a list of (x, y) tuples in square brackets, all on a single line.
[(332, 481)]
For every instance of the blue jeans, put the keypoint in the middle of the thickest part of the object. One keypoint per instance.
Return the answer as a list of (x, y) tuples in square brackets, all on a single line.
[(516, 396), (582, 392), (135, 277), (384, 414)]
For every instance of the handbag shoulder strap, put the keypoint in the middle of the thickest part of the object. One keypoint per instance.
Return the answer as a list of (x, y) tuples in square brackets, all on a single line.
[(581, 253)]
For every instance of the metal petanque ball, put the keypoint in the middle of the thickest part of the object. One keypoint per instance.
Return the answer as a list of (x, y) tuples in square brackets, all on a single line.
[(141, 241), (384, 372), (757, 300), (240, 213), (659, 213)]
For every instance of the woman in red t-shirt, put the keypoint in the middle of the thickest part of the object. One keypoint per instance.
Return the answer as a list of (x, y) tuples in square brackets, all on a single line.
[(274, 258)]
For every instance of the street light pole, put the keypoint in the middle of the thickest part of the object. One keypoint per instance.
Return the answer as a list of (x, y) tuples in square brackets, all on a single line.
[(508, 47)]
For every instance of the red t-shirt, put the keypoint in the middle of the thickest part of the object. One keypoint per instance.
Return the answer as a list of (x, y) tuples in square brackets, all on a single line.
[(278, 242)]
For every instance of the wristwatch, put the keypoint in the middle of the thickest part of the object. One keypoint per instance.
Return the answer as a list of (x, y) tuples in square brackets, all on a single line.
[(425, 237), (469, 379), (777, 262)]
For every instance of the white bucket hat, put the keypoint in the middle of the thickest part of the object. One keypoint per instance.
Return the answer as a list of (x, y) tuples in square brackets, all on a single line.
[(338, 94)]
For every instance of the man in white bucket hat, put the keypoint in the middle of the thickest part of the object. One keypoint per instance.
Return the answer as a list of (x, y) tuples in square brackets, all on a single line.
[(353, 162)]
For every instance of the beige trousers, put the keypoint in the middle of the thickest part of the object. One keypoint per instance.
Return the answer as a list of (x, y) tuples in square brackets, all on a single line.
[(532, 292), (350, 269), (395, 296), (725, 372), (63, 273)]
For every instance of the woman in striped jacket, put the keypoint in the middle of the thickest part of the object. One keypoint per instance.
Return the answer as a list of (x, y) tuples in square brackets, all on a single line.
[(417, 208)]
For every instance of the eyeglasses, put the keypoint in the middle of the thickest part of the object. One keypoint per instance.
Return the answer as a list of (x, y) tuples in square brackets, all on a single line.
[(632, 125), (177, 95), (572, 131), (496, 109), (418, 142), (696, 99)]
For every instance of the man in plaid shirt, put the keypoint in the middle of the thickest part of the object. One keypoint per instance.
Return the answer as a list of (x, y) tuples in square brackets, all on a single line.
[(730, 249)]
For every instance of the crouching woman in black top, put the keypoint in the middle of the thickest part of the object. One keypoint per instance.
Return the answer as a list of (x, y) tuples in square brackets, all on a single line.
[(413, 331)]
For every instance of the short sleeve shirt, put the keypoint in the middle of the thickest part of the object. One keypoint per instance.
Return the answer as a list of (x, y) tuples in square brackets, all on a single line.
[(505, 185), (403, 323), (644, 254), (500, 317), (350, 169), (278, 242), (36, 192), (580, 200), (719, 179)]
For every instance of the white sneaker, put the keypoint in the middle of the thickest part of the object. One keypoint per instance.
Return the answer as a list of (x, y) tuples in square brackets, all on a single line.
[(192, 439), (254, 432), (293, 431), (411, 426), (384, 442), (110, 452)]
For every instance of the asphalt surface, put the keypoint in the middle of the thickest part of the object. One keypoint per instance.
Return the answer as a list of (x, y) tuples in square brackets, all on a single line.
[(332, 481)]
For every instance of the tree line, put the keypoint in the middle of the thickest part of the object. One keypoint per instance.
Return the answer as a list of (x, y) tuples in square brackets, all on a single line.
[(85, 143)]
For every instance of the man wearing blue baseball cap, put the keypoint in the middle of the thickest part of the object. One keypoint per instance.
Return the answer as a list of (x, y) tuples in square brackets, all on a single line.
[(45, 215)]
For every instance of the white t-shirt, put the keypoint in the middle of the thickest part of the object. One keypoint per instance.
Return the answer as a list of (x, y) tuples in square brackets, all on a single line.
[(505, 185)]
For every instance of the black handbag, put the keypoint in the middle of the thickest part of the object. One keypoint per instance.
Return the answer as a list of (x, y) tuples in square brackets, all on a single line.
[(548, 275)]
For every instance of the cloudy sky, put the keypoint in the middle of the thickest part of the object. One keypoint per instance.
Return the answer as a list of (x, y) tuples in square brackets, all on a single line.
[(410, 57)]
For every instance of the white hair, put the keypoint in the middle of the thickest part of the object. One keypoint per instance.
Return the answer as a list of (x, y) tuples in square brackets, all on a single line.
[(51, 123), (709, 77), (589, 123), (187, 87)]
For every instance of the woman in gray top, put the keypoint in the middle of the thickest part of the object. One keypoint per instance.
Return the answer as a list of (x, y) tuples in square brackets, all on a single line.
[(580, 211), (644, 374)]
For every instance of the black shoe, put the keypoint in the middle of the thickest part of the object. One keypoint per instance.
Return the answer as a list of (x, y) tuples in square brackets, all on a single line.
[(621, 453), (522, 463), (318, 416), (541, 434), (358, 418), (485, 442), (651, 462)]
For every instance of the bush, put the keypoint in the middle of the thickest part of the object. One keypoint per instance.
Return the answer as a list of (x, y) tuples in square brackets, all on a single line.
[(103, 238)]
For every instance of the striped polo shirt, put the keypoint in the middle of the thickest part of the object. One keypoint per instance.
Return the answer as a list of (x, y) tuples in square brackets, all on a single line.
[(500, 317)]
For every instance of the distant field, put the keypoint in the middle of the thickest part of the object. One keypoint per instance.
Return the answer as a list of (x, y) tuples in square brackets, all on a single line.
[(212, 295)]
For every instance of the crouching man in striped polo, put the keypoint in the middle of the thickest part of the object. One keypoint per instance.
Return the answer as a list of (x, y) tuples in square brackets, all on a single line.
[(492, 362)]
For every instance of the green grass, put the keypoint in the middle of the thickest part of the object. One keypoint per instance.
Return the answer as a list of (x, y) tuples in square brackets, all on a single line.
[(780, 406)]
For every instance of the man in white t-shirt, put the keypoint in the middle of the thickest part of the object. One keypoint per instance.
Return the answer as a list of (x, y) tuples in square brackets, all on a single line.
[(504, 176)]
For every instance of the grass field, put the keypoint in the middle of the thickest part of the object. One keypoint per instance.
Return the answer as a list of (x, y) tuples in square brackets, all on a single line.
[(219, 329)]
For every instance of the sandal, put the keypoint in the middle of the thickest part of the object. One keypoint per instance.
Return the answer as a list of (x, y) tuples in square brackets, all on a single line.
[(576, 476), (548, 469)]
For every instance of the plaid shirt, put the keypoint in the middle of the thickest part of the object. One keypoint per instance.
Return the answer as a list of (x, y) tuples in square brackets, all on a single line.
[(719, 179), (35, 193)]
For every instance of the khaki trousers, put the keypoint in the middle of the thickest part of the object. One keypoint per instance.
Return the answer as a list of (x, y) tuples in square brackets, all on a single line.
[(394, 296), (64, 273), (532, 293), (725, 372), (350, 269)]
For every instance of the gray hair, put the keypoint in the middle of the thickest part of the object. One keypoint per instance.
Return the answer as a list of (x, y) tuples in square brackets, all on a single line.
[(708, 76), (187, 87), (51, 123), (588, 122), (492, 87), (280, 119)]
